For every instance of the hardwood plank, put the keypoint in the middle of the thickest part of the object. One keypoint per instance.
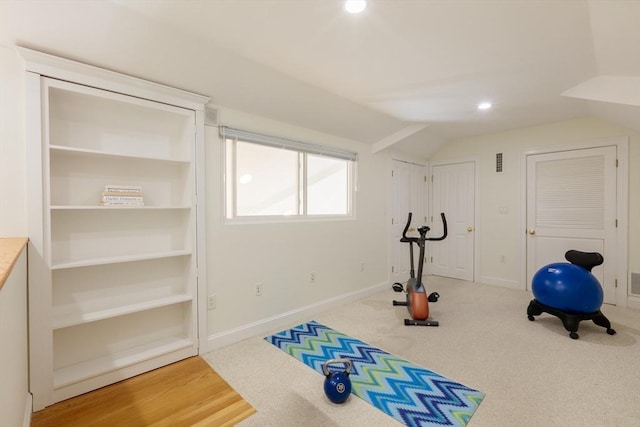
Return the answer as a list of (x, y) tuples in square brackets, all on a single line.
[(186, 393), (10, 250)]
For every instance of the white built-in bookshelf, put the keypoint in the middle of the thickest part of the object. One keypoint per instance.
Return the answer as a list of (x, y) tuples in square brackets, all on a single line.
[(113, 288)]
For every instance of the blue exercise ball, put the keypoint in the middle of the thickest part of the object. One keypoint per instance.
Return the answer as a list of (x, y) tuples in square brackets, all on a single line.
[(567, 287)]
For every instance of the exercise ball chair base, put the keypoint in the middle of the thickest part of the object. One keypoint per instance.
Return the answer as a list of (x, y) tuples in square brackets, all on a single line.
[(569, 320)]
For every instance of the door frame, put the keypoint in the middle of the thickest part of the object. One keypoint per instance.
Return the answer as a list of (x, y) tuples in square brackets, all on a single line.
[(622, 201), (476, 211)]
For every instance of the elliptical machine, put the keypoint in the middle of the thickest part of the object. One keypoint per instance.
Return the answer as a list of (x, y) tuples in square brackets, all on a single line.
[(417, 301)]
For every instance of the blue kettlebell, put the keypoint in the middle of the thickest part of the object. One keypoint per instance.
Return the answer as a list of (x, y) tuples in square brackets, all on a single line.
[(337, 385)]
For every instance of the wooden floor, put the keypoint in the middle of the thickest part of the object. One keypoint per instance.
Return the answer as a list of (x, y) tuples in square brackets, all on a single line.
[(186, 393)]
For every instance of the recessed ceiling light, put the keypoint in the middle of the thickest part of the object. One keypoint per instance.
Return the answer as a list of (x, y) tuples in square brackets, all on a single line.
[(355, 6), (484, 106)]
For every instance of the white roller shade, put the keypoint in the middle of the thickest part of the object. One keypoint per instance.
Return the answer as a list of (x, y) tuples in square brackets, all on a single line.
[(288, 144)]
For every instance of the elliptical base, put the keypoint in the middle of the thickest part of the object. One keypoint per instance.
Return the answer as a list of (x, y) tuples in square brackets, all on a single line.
[(570, 321), (412, 322)]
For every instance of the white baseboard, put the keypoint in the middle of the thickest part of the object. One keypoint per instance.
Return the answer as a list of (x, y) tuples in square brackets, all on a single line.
[(28, 409), (260, 327), (497, 281), (633, 302)]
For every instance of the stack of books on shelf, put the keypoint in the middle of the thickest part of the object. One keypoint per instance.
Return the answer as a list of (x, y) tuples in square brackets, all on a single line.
[(122, 195)]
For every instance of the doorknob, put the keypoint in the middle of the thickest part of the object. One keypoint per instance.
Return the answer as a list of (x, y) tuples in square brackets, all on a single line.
[(532, 231), (469, 229)]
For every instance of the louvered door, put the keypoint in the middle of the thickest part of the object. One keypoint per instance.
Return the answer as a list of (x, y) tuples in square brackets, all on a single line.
[(571, 202)]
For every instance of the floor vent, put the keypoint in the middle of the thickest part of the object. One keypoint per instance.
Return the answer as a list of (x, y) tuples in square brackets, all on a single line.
[(635, 283)]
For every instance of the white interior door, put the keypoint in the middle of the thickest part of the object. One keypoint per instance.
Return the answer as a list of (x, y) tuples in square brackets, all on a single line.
[(408, 194), (571, 204), (454, 194)]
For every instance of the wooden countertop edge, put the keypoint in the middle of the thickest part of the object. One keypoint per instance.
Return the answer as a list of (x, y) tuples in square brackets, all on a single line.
[(10, 250)]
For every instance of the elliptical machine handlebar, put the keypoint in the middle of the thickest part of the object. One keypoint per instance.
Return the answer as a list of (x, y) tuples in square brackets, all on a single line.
[(444, 229), (423, 231), (404, 238)]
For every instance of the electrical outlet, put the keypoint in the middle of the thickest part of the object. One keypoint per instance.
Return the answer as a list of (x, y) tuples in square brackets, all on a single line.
[(258, 289), (211, 301), (312, 278)]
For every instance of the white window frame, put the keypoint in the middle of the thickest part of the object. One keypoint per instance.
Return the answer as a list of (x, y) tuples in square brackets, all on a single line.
[(303, 149)]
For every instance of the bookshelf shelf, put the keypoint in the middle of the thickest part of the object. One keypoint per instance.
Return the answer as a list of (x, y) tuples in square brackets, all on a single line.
[(164, 183), (94, 367), (101, 208), (115, 257), (96, 153), (120, 259), (71, 315)]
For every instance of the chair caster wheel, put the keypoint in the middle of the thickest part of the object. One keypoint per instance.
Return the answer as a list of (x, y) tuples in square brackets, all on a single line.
[(574, 336), (530, 317), (611, 331)]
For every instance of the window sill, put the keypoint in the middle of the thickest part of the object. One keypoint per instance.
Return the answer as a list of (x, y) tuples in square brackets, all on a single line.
[(287, 219)]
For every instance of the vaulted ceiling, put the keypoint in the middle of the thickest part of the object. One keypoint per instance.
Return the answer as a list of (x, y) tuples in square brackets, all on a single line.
[(405, 74)]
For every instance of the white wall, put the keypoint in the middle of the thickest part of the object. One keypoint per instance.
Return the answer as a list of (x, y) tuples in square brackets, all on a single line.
[(281, 256), (14, 371), (502, 233), (13, 219), (13, 223)]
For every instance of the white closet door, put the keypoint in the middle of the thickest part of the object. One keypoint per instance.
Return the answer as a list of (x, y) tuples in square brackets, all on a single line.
[(408, 194), (454, 194), (571, 204)]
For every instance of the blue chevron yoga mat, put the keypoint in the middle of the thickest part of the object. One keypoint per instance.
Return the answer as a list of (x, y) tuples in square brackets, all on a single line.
[(413, 395)]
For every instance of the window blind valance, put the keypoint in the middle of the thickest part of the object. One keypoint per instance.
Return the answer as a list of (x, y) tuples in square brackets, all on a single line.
[(287, 144)]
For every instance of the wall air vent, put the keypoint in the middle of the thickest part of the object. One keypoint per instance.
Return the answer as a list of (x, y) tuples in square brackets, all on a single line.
[(498, 162), (211, 116)]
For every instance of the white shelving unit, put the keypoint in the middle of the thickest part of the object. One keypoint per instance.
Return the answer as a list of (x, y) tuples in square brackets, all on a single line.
[(114, 291)]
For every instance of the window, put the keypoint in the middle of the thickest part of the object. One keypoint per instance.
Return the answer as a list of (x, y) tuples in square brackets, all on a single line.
[(269, 177)]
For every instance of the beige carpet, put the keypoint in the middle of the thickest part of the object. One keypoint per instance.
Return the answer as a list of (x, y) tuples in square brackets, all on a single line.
[(533, 374)]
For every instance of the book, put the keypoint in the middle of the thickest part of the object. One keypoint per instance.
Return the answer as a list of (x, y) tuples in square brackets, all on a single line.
[(122, 198), (117, 188), (122, 203), (122, 193)]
